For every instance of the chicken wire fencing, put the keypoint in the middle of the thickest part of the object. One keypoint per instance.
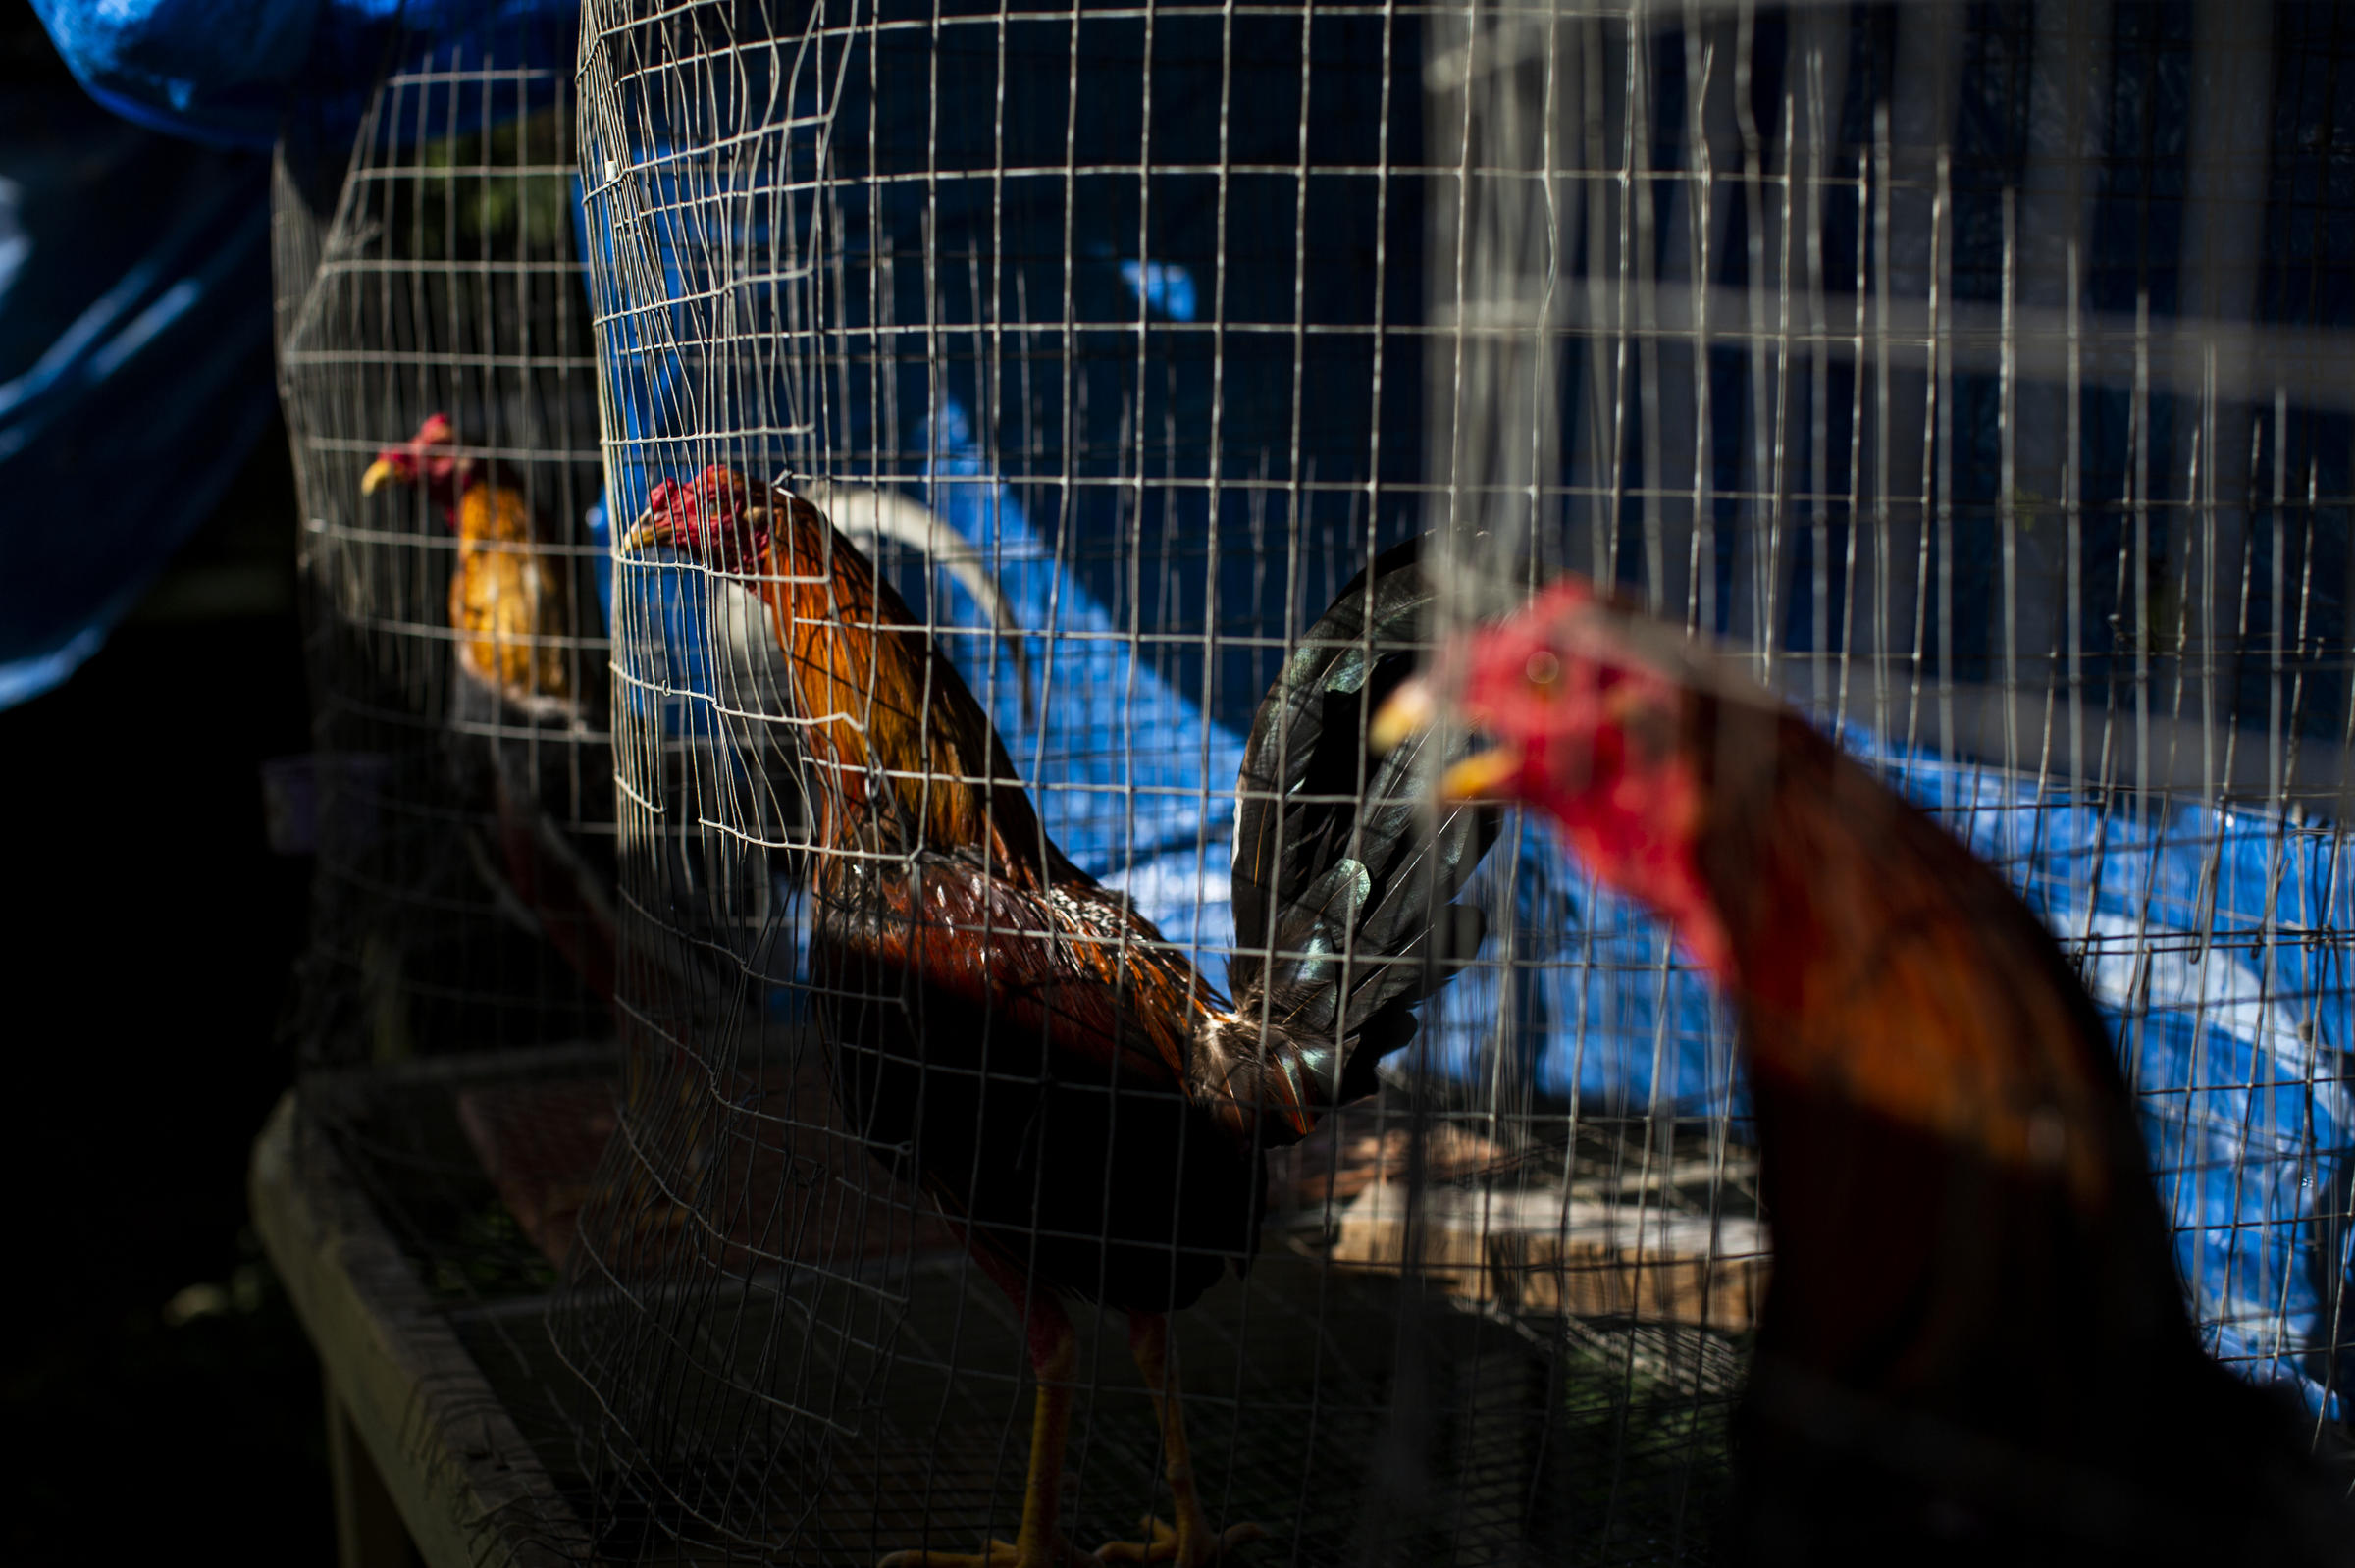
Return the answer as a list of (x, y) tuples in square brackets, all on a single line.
[(458, 801), (1965, 367), (1974, 372)]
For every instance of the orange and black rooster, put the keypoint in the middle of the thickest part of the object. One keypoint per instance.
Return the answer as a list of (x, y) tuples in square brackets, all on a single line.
[(1976, 1346), (527, 726), (1082, 1104)]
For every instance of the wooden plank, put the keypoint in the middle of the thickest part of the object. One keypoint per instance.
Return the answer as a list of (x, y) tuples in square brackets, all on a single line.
[(467, 1486), (1553, 1251), (369, 1532)]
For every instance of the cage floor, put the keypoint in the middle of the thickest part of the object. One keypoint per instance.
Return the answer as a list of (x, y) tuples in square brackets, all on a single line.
[(1357, 1418), (1358, 1414), (1587, 1227)]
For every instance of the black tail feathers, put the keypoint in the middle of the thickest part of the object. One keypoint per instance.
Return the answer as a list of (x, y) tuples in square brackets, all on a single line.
[(1343, 886)]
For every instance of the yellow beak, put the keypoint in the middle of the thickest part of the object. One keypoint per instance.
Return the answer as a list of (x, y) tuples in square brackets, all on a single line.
[(380, 474), (1409, 712), (647, 533), (1483, 774), (1415, 708)]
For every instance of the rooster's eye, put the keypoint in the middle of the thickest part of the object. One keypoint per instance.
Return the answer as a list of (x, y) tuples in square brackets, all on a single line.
[(1544, 668)]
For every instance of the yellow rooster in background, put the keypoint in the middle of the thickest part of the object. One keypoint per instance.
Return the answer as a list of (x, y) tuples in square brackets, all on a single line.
[(510, 598)]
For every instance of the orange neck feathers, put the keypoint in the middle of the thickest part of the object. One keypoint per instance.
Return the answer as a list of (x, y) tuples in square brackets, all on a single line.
[(906, 756)]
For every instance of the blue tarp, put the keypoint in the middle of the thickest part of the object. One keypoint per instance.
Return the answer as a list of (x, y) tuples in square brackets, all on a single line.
[(2235, 1043), (134, 268), (134, 364), (1016, 353), (229, 70), (2230, 1015)]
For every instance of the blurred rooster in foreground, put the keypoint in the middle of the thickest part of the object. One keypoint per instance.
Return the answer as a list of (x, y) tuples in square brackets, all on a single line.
[(528, 731), (1082, 1104), (1974, 1347)]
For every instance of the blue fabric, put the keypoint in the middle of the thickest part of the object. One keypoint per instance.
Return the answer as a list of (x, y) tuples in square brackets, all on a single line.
[(2235, 1047), (134, 364), (212, 69), (134, 329), (2236, 1052), (1002, 350), (1128, 772), (226, 71)]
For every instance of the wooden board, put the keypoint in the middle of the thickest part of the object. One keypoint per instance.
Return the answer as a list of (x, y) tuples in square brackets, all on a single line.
[(1549, 1250), (466, 1483)]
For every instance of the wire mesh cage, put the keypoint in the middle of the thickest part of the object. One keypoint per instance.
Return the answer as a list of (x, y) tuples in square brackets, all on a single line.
[(436, 274), (437, 375), (1021, 412), (1969, 371)]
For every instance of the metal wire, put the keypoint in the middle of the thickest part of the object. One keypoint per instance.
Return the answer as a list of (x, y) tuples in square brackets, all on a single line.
[(436, 272), (430, 267), (1972, 372)]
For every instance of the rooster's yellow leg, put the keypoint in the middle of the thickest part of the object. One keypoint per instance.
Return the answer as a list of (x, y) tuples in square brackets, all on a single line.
[(1055, 1357), (1192, 1542)]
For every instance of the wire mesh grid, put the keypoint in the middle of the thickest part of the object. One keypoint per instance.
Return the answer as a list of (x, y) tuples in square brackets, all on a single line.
[(459, 796), (1967, 368), (1102, 332), (1971, 371), (436, 273)]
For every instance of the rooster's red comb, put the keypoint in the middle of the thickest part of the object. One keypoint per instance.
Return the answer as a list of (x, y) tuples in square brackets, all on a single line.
[(709, 518)]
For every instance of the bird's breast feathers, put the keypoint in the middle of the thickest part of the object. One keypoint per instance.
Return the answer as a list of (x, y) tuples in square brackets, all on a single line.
[(1073, 960), (510, 611)]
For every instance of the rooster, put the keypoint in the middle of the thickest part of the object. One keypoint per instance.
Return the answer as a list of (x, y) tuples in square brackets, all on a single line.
[(1088, 1111), (529, 730), (1975, 1347), (528, 715)]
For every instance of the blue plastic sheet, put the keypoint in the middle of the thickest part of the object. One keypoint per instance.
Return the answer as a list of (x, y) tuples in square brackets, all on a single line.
[(1066, 455), (229, 70), (2234, 1043), (2230, 1016), (134, 364)]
